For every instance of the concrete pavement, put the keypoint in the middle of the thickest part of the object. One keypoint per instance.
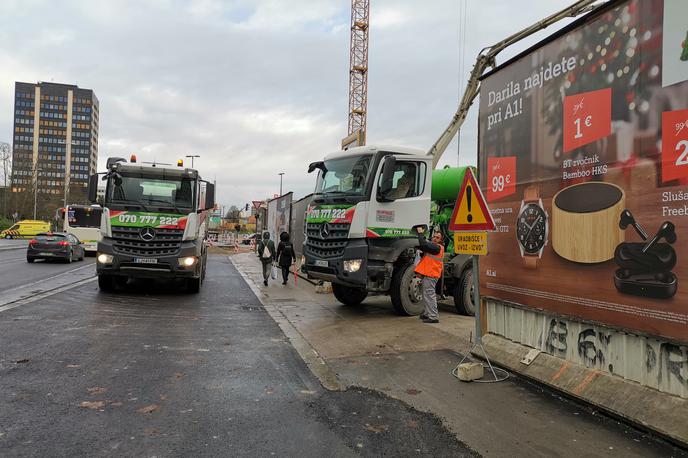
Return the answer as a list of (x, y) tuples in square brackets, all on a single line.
[(372, 347)]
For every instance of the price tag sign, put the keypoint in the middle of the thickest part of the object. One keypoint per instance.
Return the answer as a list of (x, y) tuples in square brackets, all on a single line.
[(587, 117), (501, 177), (674, 145)]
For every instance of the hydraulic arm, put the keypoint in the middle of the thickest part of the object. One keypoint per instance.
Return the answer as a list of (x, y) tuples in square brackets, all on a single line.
[(487, 59)]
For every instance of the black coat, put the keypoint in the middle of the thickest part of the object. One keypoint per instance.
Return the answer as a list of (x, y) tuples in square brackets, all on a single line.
[(285, 254)]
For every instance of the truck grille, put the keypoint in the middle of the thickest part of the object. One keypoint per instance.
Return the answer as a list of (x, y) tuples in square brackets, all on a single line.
[(127, 240), (328, 243)]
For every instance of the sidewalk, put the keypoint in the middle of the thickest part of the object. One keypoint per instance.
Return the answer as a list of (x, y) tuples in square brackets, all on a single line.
[(370, 346)]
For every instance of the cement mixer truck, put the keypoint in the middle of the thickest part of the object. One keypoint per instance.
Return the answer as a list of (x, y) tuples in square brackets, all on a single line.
[(367, 199), (358, 226)]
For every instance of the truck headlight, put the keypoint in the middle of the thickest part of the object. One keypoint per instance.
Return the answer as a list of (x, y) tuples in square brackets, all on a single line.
[(188, 261), (104, 258), (353, 265)]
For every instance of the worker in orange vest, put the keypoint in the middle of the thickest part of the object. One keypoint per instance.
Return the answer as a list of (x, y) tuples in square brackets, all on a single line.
[(429, 269)]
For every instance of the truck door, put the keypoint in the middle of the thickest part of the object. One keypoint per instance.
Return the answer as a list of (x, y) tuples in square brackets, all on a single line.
[(405, 204)]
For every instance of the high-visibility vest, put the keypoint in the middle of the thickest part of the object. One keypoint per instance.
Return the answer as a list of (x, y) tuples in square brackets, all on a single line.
[(431, 265)]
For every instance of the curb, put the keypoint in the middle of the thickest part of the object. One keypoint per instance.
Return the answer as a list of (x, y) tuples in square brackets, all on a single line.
[(327, 377), (643, 407)]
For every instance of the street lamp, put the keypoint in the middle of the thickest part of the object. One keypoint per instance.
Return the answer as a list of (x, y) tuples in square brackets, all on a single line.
[(281, 174), (192, 156), (35, 191)]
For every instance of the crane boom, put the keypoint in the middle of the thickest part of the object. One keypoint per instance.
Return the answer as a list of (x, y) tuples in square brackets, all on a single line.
[(485, 60)]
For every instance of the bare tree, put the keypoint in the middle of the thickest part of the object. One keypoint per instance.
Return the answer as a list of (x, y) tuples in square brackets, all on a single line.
[(233, 214), (6, 171)]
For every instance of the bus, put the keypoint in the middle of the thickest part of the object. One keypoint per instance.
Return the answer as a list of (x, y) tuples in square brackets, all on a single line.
[(84, 222)]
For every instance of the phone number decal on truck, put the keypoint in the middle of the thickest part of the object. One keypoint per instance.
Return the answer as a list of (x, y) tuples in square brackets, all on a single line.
[(143, 219), (330, 214)]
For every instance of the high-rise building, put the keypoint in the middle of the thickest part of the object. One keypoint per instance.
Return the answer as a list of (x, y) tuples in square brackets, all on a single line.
[(55, 142)]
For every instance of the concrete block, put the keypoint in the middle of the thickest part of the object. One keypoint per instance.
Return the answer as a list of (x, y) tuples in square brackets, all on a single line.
[(470, 371), (323, 288)]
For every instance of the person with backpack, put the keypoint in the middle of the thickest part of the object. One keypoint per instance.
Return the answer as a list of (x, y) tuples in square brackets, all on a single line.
[(266, 254), (285, 255)]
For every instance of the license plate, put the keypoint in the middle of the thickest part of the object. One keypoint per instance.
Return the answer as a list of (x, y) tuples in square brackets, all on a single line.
[(145, 260), (45, 254), (320, 263)]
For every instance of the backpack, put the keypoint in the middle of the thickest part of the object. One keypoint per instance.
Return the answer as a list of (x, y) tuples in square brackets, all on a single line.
[(287, 252), (265, 253)]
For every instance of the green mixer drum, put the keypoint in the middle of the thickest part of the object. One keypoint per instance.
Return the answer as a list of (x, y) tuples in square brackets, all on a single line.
[(446, 182)]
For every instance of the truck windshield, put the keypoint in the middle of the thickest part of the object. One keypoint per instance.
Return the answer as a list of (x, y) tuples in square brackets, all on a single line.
[(169, 193), (347, 175)]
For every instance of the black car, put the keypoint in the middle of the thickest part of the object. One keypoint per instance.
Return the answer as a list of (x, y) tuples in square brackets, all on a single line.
[(55, 245)]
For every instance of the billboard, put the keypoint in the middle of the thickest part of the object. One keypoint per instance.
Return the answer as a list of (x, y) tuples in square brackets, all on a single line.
[(279, 215), (583, 151)]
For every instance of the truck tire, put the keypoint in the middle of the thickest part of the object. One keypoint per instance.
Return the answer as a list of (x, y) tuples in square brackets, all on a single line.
[(105, 283), (405, 292), (193, 285), (463, 294), (347, 295)]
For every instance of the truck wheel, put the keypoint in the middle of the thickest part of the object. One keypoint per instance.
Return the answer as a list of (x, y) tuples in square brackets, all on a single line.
[(193, 285), (347, 295), (105, 283), (406, 294), (463, 294)]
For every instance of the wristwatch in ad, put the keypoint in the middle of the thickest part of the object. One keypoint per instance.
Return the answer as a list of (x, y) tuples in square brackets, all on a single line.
[(532, 227)]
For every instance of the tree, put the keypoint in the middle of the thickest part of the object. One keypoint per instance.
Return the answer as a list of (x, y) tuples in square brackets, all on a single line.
[(233, 214), (5, 173)]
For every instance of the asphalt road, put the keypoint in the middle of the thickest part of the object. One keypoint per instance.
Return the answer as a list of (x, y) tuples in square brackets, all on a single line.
[(20, 280), (153, 371)]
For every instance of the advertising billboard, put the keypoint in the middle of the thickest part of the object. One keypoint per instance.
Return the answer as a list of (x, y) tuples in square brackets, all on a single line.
[(583, 151), (279, 215)]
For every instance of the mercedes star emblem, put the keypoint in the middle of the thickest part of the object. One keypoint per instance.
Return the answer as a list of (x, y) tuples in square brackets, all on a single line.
[(147, 234), (324, 230)]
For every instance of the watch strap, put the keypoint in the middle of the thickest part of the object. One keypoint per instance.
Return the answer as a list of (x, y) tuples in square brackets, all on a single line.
[(531, 194), (531, 262)]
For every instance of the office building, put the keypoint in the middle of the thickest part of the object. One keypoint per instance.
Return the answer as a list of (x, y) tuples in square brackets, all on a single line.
[(55, 141)]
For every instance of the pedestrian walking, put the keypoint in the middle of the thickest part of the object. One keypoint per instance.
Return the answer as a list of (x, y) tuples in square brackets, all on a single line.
[(429, 269), (285, 256), (267, 254)]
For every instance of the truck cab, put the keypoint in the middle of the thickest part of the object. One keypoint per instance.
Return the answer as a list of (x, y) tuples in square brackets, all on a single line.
[(154, 224), (359, 227)]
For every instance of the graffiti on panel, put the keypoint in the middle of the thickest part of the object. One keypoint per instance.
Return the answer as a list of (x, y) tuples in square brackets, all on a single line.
[(592, 347), (672, 361), (555, 343)]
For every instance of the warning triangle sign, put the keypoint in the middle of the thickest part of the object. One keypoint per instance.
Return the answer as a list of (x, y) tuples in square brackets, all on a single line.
[(471, 212)]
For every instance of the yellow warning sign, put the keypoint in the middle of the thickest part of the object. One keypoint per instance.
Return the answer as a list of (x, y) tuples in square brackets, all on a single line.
[(474, 243), (471, 212)]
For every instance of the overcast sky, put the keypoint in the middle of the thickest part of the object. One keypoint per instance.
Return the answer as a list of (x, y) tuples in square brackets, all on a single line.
[(255, 87)]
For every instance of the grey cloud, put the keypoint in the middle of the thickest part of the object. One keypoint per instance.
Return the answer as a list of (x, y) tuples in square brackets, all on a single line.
[(254, 87)]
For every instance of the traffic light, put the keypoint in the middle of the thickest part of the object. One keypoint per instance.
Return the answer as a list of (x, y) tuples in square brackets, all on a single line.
[(246, 209)]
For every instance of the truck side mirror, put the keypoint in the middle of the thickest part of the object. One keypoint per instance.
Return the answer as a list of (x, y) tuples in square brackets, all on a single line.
[(387, 180), (93, 188), (209, 196)]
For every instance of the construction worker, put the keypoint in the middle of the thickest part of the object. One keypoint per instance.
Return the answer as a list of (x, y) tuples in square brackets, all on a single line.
[(429, 269)]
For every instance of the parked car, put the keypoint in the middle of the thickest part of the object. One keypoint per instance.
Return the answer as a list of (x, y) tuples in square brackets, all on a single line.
[(246, 240), (55, 245), (25, 229)]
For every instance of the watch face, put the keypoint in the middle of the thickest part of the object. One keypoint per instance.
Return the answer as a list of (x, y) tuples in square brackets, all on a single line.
[(531, 228)]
